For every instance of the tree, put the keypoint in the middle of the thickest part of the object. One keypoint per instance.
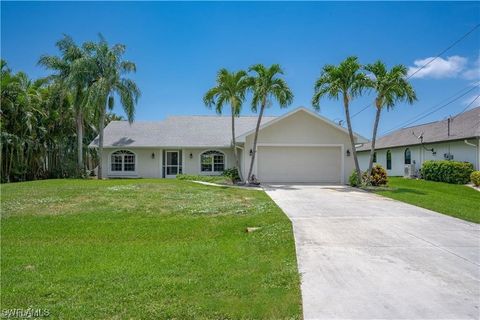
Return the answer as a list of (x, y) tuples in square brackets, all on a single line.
[(70, 83), (266, 86), (106, 67), (36, 129), (390, 87), (230, 89), (345, 81)]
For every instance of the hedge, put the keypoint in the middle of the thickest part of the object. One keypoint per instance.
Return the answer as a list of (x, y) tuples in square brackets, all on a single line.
[(447, 171)]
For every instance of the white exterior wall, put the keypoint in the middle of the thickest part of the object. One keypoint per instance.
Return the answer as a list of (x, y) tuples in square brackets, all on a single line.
[(145, 166), (192, 166), (459, 149), (300, 128)]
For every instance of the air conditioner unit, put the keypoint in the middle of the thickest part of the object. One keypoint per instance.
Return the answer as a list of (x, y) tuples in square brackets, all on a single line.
[(409, 171)]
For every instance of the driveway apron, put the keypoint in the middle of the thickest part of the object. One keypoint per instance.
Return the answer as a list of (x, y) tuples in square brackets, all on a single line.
[(363, 256)]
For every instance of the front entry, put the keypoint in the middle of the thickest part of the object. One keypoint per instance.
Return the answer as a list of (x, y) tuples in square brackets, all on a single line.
[(172, 164)]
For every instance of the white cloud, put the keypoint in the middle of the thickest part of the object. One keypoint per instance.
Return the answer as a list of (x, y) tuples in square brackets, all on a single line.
[(439, 68), (474, 72)]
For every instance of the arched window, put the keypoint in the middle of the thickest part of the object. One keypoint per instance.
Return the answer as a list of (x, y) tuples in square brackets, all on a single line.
[(122, 160), (389, 160), (408, 156), (375, 157), (212, 161)]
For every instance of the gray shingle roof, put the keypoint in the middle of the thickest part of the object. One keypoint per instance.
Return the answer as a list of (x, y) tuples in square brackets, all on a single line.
[(465, 125), (177, 131)]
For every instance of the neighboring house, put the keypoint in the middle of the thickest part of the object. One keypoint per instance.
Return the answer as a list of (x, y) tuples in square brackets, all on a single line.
[(300, 146), (456, 138)]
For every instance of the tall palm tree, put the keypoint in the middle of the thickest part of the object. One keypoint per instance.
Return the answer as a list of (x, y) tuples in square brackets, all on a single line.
[(71, 83), (230, 89), (107, 69), (266, 86), (390, 87), (343, 81)]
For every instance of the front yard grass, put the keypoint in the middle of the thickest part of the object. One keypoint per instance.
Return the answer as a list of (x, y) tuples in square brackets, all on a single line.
[(146, 249), (211, 179), (454, 200)]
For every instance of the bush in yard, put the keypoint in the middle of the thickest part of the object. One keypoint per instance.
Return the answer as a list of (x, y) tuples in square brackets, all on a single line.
[(378, 176), (353, 179), (475, 178), (447, 171), (232, 174)]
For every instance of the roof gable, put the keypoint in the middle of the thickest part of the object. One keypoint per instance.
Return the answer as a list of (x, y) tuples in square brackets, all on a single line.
[(327, 121), (192, 131)]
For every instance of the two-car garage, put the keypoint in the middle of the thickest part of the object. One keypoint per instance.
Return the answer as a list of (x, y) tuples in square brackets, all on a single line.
[(300, 147), (300, 163)]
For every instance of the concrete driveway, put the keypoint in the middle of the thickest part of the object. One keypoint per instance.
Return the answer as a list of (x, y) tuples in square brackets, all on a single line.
[(363, 256)]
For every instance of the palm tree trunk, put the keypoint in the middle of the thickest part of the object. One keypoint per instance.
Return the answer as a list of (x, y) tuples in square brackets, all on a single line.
[(79, 121), (254, 150), (234, 145), (100, 141), (374, 137), (350, 133)]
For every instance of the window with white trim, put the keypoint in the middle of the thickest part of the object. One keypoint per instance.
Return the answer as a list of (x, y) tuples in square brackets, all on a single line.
[(122, 161), (212, 161)]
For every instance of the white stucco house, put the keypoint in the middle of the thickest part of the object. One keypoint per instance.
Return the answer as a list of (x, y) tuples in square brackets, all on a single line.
[(300, 146), (456, 138)]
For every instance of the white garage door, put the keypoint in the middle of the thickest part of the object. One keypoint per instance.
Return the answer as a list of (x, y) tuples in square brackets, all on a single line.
[(299, 164)]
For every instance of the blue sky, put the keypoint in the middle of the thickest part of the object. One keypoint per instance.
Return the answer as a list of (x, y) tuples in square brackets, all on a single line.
[(178, 47)]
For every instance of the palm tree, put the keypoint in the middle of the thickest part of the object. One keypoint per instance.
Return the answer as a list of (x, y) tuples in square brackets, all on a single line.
[(106, 68), (343, 81), (391, 87), (230, 89), (71, 83), (266, 86)]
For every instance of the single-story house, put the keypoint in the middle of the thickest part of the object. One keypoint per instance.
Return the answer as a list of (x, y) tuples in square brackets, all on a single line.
[(402, 152), (299, 146)]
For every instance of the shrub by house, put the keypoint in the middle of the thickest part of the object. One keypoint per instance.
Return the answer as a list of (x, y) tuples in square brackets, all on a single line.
[(447, 171), (475, 178)]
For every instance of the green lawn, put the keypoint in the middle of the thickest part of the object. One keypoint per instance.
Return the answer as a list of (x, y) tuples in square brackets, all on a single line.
[(450, 199), (146, 249)]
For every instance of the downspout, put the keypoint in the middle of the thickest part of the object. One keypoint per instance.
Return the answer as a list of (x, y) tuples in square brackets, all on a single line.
[(478, 150), (469, 143)]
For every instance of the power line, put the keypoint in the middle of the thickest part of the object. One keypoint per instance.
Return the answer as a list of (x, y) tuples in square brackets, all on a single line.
[(445, 50), (429, 62), (365, 108), (430, 111), (468, 106), (432, 107)]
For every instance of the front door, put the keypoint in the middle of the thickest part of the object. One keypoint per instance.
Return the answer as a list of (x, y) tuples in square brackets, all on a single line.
[(173, 164)]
